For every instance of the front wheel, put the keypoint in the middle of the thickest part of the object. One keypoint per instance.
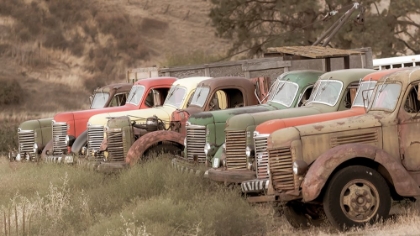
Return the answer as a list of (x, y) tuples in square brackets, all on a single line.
[(356, 195)]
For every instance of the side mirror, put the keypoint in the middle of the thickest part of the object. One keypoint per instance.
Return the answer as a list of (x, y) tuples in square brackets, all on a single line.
[(157, 98)]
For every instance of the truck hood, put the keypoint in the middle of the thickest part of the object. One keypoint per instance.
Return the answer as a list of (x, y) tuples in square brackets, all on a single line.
[(139, 116), (36, 124), (220, 116), (86, 114), (272, 125), (241, 122), (344, 124)]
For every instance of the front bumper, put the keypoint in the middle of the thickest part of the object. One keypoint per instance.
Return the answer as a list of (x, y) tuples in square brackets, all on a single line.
[(63, 158), (230, 176), (103, 167), (255, 186), (185, 166)]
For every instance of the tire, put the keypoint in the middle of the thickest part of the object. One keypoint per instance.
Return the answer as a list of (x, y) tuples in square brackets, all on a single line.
[(160, 149), (355, 196), (303, 215)]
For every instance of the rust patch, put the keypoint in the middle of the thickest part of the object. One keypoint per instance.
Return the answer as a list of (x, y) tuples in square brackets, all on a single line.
[(341, 123), (318, 127)]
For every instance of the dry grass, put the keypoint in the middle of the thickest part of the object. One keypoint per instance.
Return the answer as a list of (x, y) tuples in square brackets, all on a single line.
[(151, 199)]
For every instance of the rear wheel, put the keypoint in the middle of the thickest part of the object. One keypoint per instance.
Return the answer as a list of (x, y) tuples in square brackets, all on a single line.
[(356, 195), (303, 215)]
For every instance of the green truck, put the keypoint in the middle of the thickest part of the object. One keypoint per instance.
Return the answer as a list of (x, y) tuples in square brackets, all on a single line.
[(334, 91), (205, 130)]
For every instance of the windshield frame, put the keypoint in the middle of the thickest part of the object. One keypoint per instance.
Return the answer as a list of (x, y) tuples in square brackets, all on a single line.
[(376, 95), (282, 83), (170, 93), (129, 99), (360, 92), (195, 92), (316, 94), (96, 96)]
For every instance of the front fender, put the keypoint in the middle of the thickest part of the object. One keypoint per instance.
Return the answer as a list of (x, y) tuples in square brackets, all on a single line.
[(141, 145), (79, 143), (324, 165)]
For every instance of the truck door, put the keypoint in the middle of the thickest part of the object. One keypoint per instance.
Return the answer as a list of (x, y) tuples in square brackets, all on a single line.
[(409, 128)]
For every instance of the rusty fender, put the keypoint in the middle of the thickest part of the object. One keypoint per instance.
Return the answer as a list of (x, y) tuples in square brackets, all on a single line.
[(146, 141), (324, 165)]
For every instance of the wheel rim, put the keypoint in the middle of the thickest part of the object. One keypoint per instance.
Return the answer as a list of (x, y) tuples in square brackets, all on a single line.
[(359, 200)]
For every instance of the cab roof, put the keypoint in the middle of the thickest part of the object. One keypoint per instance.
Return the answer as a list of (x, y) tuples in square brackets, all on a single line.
[(232, 81), (148, 82), (346, 75), (117, 86), (190, 82)]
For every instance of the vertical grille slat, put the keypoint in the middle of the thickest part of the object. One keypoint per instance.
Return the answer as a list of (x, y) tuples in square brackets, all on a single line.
[(235, 150), (281, 169), (59, 132), (261, 154), (196, 140), (95, 136), (26, 141)]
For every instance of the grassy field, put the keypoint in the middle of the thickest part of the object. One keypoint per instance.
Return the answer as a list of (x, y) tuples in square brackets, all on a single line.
[(149, 199)]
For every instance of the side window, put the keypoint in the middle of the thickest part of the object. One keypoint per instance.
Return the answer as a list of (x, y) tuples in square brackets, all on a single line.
[(349, 96), (118, 100), (218, 101), (149, 101), (305, 96), (412, 104)]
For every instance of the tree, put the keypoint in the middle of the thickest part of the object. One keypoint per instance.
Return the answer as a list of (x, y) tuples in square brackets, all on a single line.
[(253, 25)]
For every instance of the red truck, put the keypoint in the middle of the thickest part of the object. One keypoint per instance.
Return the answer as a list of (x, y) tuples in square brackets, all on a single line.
[(67, 126)]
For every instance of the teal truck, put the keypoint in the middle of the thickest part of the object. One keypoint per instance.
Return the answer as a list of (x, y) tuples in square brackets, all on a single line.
[(334, 91), (205, 130)]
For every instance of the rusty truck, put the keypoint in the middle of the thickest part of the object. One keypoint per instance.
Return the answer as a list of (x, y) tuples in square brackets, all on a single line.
[(351, 169), (33, 135), (334, 91), (254, 188), (67, 126), (156, 135)]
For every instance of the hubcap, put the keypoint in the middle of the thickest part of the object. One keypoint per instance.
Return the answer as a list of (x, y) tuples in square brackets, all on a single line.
[(359, 200)]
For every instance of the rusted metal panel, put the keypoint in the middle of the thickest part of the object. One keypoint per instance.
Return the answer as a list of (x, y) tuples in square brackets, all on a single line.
[(322, 168)]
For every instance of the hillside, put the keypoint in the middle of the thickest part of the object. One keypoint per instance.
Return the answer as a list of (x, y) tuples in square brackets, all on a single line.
[(60, 50)]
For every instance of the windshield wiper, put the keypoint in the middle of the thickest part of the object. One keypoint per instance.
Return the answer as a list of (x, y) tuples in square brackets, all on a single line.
[(132, 96), (170, 95)]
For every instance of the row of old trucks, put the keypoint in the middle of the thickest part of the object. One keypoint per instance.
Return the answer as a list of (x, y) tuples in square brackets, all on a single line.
[(341, 143)]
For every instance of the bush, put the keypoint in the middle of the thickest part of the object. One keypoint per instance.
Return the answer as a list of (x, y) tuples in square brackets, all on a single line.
[(11, 93)]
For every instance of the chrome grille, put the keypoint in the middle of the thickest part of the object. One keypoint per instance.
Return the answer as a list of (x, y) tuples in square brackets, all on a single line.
[(59, 132), (95, 136), (26, 141), (196, 140), (115, 145), (261, 155), (281, 169), (235, 150)]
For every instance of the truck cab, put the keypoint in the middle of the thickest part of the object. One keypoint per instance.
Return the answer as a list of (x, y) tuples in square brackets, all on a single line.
[(39, 131), (351, 169), (67, 126)]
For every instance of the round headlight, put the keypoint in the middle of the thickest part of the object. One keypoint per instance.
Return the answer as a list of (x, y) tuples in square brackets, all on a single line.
[(67, 140), (207, 148), (83, 151), (216, 163), (300, 167), (185, 142)]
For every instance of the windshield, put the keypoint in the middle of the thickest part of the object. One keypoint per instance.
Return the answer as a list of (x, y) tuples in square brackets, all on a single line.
[(326, 92), (200, 96), (135, 95), (386, 97), (284, 93), (176, 96), (99, 100), (367, 86)]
